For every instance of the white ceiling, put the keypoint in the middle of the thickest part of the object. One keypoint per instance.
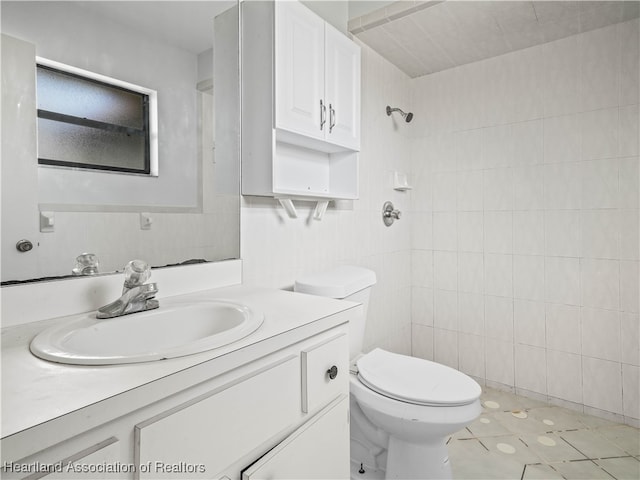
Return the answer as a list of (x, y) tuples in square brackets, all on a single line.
[(423, 37), (183, 23)]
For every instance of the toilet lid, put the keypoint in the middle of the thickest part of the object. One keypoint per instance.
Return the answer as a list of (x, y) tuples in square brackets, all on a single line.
[(414, 380)]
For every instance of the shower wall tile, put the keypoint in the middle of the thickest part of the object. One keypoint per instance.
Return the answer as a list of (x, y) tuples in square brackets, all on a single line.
[(471, 313), (498, 189), (498, 318), (562, 139), (629, 286), (468, 149), (529, 322), (445, 231), (528, 277), (561, 77), (629, 50), (600, 281), (629, 240), (602, 384), (545, 265), (564, 376), (499, 363), (562, 186), (470, 232), (601, 334), (471, 354), (528, 146), (470, 272), (445, 347), (469, 191), (422, 306), (445, 268), (498, 232), (422, 231), (630, 334), (631, 391), (563, 328), (531, 368), (528, 233), (562, 280), (562, 233), (600, 134), (600, 184), (600, 69), (445, 309), (422, 341), (600, 233), (528, 187), (444, 192), (629, 181), (498, 275), (629, 131)]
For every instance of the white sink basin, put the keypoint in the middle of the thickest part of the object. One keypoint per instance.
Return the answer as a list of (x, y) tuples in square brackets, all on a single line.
[(170, 331)]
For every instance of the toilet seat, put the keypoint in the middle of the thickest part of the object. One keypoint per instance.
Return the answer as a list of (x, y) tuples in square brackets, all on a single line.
[(416, 381)]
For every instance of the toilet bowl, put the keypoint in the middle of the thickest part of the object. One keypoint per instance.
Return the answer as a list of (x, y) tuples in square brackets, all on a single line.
[(403, 408)]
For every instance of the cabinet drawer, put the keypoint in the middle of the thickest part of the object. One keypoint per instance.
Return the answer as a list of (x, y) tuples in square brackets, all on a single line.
[(318, 388), (202, 437)]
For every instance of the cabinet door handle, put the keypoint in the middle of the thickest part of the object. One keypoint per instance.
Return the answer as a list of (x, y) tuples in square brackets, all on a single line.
[(323, 114), (332, 372), (332, 118)]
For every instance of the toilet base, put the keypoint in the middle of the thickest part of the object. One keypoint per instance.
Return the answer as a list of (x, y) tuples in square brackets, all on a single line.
[(406, 460)]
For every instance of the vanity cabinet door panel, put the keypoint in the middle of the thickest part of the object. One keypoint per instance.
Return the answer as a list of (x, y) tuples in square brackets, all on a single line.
[(321, 384), (299, 72), (203, 436), (317, 450), (342, 89)]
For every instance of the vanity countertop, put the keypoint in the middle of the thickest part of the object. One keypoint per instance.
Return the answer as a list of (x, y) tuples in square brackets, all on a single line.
[(35, 391)]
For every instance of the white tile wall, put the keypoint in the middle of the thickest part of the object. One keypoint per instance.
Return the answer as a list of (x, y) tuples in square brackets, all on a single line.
[(532, 159)]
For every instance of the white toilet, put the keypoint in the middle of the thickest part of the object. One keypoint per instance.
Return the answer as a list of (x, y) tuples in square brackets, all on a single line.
[(402, 408)]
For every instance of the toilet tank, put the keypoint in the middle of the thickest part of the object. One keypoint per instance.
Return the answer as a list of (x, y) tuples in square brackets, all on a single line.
[(345, 283)]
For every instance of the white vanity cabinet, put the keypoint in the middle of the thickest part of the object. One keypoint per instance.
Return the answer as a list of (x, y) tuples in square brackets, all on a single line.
[(285, 410), (301, 104)]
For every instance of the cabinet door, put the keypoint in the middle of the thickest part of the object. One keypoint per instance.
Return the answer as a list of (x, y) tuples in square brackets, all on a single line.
[(342, 87), (317, 450), (299, 71), (206, 434)]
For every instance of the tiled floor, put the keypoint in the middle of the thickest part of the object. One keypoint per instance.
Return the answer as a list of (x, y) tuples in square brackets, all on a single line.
[(520, 438)]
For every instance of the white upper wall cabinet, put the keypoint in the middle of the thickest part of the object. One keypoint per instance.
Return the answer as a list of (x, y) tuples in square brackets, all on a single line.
[(317, 81), (342, 88), (300, 104), (299, 100)]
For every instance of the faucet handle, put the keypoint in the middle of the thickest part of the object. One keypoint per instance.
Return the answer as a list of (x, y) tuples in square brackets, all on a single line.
[(136, 272), (86, 264)]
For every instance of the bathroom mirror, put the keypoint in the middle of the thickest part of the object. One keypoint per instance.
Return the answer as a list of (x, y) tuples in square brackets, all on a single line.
[(188, 52)]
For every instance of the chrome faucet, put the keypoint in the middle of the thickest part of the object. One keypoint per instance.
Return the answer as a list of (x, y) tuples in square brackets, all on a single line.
[(137, 296)]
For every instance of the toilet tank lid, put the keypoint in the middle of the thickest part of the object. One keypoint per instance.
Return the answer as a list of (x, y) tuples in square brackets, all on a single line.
[(339, 282)]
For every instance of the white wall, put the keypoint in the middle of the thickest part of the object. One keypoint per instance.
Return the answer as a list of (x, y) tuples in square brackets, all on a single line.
[(524, 220), (277, 249)]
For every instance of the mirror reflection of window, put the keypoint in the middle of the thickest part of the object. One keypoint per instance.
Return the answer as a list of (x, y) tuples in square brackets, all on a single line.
[(90, 121)]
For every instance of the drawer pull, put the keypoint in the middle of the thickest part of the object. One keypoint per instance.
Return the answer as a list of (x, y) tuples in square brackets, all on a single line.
[(332, 372)]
